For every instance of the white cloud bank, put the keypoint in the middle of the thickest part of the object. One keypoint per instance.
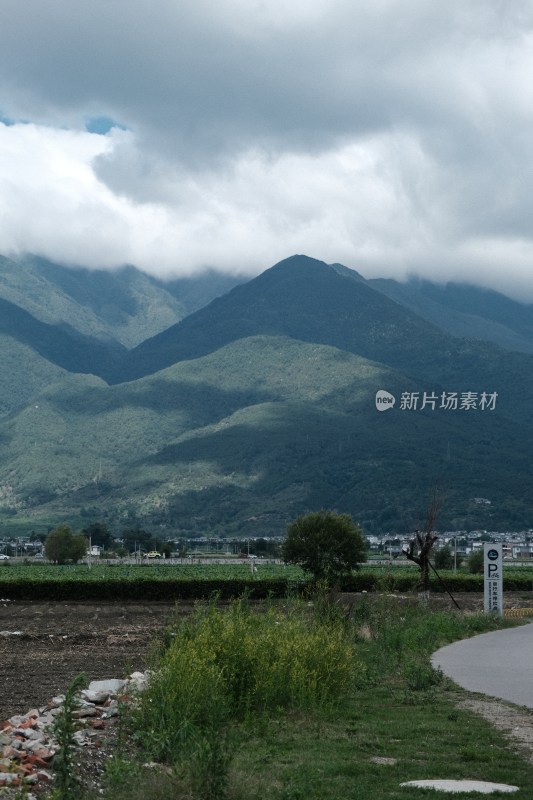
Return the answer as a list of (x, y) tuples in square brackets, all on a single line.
[(390, 135)]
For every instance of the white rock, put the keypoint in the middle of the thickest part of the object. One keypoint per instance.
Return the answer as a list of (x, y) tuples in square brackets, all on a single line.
[(483, 787), (22, 732), (33, 747), (35, 735), (55, 702), (88, 711), (95, 697), (138, 681), (82, 703), (47, 718), (111, 686), (16, 744)]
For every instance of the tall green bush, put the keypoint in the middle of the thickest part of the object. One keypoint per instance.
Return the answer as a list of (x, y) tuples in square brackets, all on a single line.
[(63, 545), (221, 666), (326, 545), (66, 780), (474, 562), (443, 558)]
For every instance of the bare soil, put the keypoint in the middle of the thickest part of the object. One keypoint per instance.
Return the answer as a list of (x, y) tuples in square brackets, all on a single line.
[(515, 723), (44, 646)]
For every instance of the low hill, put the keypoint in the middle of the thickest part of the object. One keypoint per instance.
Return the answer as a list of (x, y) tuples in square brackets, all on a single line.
[(71, 351), (23, 375), (242, 440), (302, 298), (310, 301)]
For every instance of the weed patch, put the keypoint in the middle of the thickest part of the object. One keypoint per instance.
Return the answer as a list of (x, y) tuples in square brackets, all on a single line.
[(300, 701)]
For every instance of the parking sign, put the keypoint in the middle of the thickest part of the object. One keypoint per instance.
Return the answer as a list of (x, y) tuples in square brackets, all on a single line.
[(493, 571)]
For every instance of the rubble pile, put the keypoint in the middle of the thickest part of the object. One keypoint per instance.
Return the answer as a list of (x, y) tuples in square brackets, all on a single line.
[(27, 744)]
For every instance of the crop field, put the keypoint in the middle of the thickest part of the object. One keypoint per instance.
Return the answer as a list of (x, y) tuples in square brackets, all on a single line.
[(148, 582), (148, 572), (163, 571)]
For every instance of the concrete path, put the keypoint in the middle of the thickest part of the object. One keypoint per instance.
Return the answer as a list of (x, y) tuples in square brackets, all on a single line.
[(499, 664)]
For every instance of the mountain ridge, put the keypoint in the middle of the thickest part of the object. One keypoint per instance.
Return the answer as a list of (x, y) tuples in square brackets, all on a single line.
[(465, 311), (123, 305), (265, 408), (272, 304)]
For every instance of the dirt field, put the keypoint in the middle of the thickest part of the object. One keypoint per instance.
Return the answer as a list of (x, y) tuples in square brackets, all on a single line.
[(43, 646)]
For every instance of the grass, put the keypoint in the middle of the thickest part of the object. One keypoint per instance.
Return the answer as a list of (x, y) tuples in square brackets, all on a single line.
[(395, 721)]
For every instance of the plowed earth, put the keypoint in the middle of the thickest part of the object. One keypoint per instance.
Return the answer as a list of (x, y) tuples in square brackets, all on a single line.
[(43, 646)]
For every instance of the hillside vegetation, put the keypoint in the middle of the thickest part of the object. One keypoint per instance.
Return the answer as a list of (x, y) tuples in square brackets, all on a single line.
[(122, 305), (260, 407), (250, 436)]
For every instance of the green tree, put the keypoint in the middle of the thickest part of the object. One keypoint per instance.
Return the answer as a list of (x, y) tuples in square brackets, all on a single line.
[(99, 534), (133, 538), (443, 558), (62, 545), (264, 547), (326, 544), (475, 561)]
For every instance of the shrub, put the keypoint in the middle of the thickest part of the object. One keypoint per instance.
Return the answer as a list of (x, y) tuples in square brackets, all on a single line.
[(474, 562), (228, 665), (443, 558), (62, 545), (324, 544), (64, 728)]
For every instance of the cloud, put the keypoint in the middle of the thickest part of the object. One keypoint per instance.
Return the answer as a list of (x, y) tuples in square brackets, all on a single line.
[(393, 136)]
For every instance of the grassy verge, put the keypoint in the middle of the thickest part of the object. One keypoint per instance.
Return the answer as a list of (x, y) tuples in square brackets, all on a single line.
[(239, 738)]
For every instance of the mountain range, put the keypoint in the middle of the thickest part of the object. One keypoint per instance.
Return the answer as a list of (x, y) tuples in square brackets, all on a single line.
[(224, 406)]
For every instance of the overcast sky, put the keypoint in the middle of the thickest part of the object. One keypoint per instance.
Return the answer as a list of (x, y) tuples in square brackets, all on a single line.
[(393, 136)]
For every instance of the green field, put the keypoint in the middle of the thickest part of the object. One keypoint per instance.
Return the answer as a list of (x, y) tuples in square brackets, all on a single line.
[(119, 581), (148, 582), (153, 572)]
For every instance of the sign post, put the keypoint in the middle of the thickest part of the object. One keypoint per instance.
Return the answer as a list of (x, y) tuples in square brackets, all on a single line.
[(493, 573)]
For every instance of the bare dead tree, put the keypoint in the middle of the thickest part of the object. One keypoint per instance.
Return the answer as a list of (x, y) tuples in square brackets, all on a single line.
[(419, 548)]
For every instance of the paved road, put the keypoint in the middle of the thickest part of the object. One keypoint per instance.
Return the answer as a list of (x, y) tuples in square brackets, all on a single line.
[(499, 664)]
